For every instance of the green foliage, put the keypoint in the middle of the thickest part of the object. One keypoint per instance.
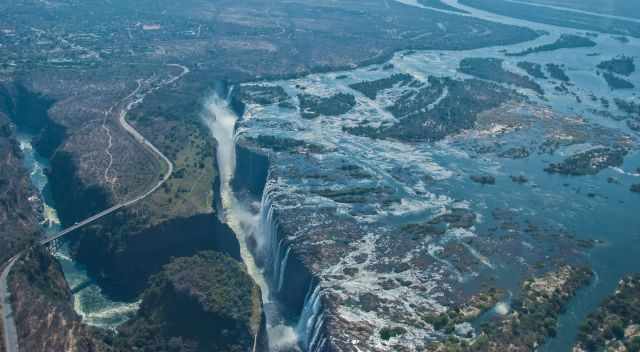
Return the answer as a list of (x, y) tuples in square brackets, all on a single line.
[(370, 89), (454, 112), (588, 163), (262, 95), (312, 106), (557, 72), (616, 82), (438, 322), (609, 322), (533, 69), (622, 65), (566, 41), (491, 69), (201, 303), (387, 333)]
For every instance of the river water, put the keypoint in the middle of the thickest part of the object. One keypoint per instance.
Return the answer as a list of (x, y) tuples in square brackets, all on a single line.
[(244, 219), (608, 214), (88, 300), (610, 218)]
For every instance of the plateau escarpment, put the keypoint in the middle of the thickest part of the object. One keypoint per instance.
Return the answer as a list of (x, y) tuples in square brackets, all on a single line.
[(206, 302)]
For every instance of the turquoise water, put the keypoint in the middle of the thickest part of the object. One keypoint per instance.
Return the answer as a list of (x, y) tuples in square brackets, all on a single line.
[(89, 302), (588, 207)]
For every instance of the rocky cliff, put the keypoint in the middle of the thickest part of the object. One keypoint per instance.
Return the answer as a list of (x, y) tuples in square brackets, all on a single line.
[(45, 319), (123, 253), (206, 302), (18, 207)]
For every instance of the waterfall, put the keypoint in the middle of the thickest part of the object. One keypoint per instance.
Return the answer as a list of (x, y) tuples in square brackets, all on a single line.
[(310, 324), (221, 121), (269, 247)]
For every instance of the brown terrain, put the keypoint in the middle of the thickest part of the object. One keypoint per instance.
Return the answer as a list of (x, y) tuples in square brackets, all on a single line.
[(18, 207), (78, 67), (44, 306)]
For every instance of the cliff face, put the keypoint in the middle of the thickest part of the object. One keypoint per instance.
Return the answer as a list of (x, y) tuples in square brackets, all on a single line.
[(74, 200), (290, 279), (18, 213), (252, 171), (124, 249), (122, 255), (206, 302), (43, 308), (29, 110)]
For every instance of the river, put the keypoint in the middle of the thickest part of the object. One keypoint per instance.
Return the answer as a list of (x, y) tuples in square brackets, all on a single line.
[(242, 219), (607, 216), (88, 300), (610, 218)]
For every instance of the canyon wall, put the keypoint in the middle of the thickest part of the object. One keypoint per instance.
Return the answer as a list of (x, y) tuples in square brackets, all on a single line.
[(19, 209), (44, 315), (206, 302), (289, 279)]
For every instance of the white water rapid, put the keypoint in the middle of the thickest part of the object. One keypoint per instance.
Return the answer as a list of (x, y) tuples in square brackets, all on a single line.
[(221, 121)]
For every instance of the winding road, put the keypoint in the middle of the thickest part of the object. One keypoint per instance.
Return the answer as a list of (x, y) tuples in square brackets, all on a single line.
[(8, 321)]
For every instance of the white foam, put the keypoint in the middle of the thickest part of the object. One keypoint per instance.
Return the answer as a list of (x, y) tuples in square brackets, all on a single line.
[(502, 308)]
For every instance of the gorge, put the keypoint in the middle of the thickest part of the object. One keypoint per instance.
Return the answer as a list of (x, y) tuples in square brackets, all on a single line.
[(292, 300)]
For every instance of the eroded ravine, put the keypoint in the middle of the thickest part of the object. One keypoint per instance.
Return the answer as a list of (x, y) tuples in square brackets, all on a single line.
[(242, 219)]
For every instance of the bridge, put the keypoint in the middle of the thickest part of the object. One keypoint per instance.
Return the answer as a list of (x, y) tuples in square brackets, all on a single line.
[(8, 321)]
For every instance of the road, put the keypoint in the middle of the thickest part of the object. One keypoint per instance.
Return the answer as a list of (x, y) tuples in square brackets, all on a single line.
[(8, 322), (10, 335)]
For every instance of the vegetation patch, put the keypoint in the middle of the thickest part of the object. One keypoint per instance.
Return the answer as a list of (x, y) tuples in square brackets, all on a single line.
[(429, 114), (566, 41), (262, 95), (483, 179), (312, 106), (622, 65), (615, 325), (532, 318), (628, 106), (491, 69), (206, 302), (387, 333), (533, 69), (557, 72), (616, 82), (588, 163), (371, 89)]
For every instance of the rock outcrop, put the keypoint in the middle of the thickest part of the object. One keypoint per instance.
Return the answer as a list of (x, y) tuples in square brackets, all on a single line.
[(206, 302), (45, 319), (122, 253), (18, 213), (615, 325)]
